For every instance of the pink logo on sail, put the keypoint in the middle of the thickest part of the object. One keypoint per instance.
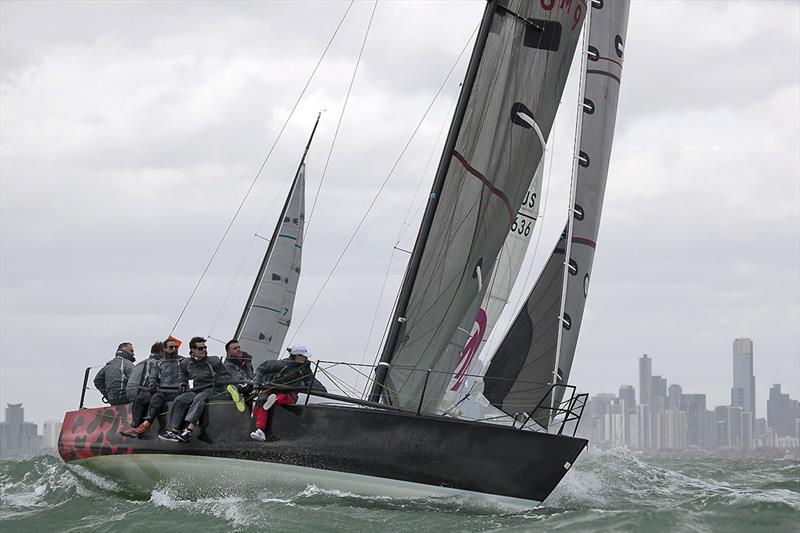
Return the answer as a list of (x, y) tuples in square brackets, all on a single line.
[(468, 353)]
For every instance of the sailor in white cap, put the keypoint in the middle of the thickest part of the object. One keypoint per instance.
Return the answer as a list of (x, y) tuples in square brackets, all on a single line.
[(288, 377)]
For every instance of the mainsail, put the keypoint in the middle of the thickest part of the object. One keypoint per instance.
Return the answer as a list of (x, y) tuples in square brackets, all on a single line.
[(268, 312), (539, 348), (503, 118)]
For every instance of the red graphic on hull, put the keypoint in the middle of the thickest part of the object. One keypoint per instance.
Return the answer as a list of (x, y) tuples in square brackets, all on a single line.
[(92, 432)]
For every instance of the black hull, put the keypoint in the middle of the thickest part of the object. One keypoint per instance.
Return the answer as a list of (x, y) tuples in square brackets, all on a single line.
[(427, 450)]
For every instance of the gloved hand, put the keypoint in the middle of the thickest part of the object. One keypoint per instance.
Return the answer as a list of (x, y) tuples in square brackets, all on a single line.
[(181, 388), (153, 387)]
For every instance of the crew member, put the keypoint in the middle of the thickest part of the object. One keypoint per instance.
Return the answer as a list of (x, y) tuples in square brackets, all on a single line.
[(288, 377), (112, 379), (205, 371)]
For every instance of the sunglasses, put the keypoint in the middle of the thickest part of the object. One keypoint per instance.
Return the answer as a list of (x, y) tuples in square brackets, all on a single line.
[(171, 347), (201, 348)]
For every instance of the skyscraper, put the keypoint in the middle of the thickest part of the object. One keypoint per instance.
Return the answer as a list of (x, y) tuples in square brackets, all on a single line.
[(52, 428), (645, 375), (744, 382), (782, 412), (627, 394), (674, 394), (658, 392), (17, 437)]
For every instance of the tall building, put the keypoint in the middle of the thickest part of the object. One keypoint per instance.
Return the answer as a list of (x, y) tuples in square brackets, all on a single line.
[(674, 394), (658, 392), (645, 375), (52, 428), (17, 437), (743, 393), (627, 394), (782, 413), (12, 434)]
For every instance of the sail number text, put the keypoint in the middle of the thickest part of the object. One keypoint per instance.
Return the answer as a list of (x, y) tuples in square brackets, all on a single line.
[(521, 225)]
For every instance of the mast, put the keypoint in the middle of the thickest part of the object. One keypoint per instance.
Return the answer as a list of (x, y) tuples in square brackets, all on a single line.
[(259, 278), (398, 316), (562, 319)]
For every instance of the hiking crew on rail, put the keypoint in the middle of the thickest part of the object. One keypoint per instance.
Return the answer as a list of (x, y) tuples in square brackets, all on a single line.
[(164, 377)]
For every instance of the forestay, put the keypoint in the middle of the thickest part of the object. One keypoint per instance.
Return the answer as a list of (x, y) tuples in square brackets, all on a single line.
[(514, 83), (523, 368)]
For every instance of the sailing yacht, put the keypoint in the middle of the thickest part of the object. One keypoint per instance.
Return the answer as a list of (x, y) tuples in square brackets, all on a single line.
[(402, 438)]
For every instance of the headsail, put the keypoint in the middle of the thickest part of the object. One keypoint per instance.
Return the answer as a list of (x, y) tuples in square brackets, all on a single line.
[(508, 102), (523, 368), (471, 342), (268, 312)]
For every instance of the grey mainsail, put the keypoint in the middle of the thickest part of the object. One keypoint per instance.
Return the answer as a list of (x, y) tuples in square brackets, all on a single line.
[(268, 311), (503, 118), (540, 345)]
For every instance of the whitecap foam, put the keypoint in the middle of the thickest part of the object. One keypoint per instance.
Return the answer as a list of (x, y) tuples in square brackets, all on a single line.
[(230, 508)]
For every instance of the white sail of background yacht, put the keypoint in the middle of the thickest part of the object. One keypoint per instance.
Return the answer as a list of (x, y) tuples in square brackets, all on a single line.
[(539, 347), (268, 311), (503, 118)]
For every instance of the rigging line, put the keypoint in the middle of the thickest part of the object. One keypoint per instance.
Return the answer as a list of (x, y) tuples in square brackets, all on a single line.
[(383, 185), (377, 308), (436, 144), (258, 174), (268, 212), (341, 116), (224, 305)]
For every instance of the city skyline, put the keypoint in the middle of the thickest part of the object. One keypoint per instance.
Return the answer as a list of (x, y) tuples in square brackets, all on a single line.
[(667, 417)]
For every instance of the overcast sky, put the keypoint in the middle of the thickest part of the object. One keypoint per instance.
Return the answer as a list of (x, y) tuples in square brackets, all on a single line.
[(130, 132)]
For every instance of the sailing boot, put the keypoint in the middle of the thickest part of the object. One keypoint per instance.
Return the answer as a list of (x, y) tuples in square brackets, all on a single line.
[(129, 432), (141, 428)]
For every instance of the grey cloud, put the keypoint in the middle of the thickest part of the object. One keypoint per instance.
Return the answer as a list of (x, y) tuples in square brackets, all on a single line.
[(130, 133)]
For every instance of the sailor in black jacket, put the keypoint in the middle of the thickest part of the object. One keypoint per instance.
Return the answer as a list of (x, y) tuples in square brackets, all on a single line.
[(290, 376)]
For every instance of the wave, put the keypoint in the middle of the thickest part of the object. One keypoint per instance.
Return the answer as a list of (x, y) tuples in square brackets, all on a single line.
[(617, 479), (606, 490)]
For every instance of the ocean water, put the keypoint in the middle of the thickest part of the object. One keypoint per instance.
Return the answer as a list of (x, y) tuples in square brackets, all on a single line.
[(613, 490)]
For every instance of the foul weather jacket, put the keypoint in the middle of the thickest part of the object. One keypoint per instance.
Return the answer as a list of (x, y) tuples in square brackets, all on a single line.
[(240, 368), (113, 377), (286, 374), (205, 372), (167, 373), (139, 378)]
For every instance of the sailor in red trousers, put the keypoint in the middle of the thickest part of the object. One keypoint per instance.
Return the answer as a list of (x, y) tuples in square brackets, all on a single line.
[(294, 372)]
